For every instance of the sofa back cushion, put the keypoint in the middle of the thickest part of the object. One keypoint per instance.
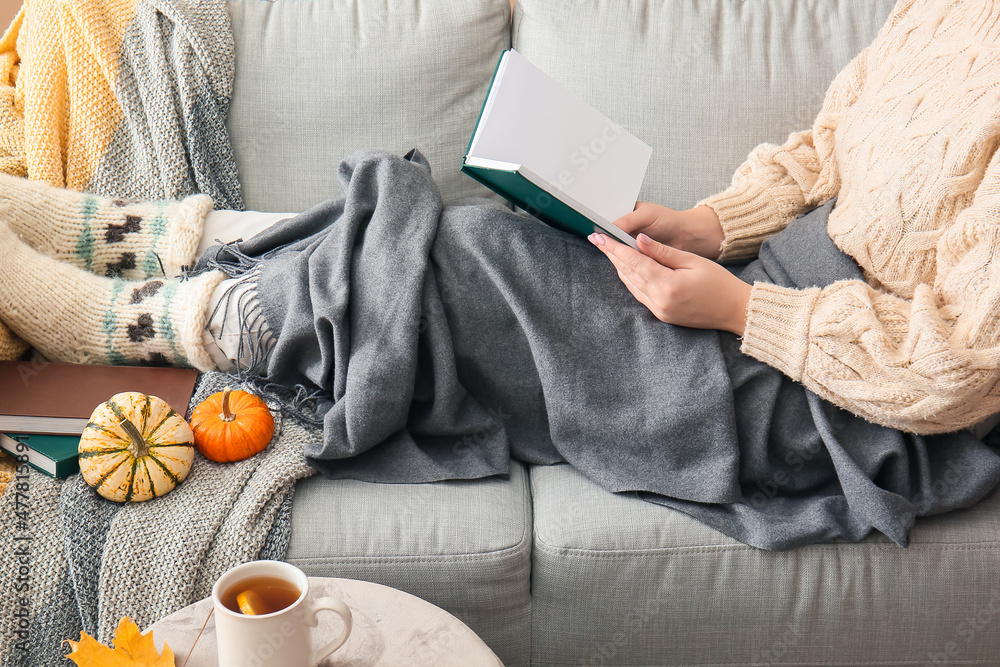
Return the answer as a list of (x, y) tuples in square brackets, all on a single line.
[(701, 81), (318, 79)]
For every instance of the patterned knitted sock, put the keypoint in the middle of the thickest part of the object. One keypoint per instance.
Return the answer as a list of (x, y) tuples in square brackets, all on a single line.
[(74, 316), (107, 237)]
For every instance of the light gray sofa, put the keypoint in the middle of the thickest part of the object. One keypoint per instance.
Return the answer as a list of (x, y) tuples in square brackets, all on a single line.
[(548, 568)]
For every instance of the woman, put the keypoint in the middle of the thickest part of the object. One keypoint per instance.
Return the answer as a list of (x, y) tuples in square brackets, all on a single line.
[(906, 141), (415, 328)]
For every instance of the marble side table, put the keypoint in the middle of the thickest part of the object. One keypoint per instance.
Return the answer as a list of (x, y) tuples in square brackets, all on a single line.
[(390, 628)]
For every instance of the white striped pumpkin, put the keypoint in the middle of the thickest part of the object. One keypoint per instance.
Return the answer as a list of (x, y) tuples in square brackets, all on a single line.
[(135, 448)]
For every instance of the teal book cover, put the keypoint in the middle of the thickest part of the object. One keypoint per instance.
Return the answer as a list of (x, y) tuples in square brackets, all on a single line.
[(54, 455), (513, 186), (554, 155)]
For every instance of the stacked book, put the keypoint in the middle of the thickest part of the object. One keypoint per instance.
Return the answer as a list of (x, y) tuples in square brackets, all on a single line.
[(45, 406)]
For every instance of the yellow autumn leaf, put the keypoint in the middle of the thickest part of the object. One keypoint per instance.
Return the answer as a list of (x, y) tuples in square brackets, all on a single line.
[(131, 649)]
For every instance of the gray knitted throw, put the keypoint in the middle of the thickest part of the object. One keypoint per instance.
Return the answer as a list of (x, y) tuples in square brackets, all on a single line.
[(80, 562), (175, 79)]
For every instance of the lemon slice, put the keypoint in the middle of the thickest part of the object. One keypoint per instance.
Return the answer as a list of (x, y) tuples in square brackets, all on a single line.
[(252, 604)]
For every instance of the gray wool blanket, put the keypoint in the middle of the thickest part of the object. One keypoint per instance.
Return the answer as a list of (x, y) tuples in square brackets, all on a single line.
[(438, 343)]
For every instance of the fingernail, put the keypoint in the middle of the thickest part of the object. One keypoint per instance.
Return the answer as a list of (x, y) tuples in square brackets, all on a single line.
[(645, 240), (596, 239)]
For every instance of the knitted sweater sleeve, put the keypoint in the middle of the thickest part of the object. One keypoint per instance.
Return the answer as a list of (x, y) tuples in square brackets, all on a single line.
[(779, 182), (929, 364)]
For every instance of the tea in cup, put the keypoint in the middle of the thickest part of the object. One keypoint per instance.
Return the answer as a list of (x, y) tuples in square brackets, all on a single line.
[(263, 617)]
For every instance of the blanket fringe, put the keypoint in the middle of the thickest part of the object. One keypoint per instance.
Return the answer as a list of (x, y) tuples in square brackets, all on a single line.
[(231, 260), (299, 401), (255, 336)]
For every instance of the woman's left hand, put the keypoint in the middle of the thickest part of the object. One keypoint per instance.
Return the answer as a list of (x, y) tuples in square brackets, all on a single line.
[(679, 287)]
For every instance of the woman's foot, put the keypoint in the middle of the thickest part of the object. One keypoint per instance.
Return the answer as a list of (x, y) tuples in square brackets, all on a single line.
[(71, 315), (106, 237), (237, 335)]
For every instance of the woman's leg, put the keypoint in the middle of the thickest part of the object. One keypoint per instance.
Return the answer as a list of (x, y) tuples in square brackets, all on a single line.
[(115, 238), (229, 226), (236, 334), (119, 238), (450, 342), (72, 315), (106, 237)]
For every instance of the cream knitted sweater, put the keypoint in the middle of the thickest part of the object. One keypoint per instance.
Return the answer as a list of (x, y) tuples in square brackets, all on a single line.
[(907, 141)]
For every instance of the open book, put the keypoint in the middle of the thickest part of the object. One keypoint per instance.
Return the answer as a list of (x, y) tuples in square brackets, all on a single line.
[(545, 149)]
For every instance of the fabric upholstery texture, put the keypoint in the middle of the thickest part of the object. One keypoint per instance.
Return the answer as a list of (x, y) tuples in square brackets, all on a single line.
[(700, 82), (317, 79), (614, 580), (464, 546), (650, 586)]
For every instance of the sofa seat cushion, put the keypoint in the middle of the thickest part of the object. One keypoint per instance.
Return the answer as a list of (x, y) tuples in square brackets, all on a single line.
[(318, 79), (648, 585), (701, 81), (463, 545)]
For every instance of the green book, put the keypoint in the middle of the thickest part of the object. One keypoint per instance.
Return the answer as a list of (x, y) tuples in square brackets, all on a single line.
[(54, 455), (553, 154)]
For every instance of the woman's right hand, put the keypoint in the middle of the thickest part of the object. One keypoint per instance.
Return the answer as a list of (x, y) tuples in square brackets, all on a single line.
[(696, 230)]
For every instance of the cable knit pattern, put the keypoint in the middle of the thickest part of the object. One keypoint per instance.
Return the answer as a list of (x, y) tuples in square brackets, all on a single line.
[(907, 141)]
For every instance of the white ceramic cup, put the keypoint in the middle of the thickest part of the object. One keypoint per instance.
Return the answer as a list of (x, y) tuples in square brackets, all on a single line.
[(279, 639)]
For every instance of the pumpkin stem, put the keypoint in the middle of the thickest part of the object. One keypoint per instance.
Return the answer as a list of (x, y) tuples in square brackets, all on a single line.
[(139, 446), (227, 415)]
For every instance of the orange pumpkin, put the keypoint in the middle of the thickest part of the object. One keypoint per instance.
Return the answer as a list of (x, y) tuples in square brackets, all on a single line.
[(231, 425)]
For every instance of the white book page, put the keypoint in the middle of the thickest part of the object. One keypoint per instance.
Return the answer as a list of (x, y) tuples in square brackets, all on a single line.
[(35, 458), (532, 120)]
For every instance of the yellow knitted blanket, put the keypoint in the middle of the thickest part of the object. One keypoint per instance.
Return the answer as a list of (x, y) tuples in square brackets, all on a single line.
[(12, 161), (84, 103), (49, 130)]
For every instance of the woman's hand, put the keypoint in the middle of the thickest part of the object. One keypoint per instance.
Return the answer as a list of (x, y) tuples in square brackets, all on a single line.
[(679, 287), (695, 230)]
